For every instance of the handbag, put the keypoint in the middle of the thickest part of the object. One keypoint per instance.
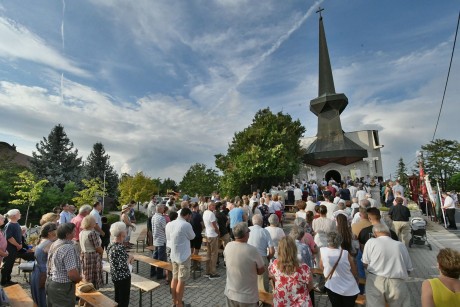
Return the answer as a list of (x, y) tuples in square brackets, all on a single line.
[(321, 286)]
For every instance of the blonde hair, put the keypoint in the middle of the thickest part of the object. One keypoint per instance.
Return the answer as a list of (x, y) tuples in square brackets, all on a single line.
[(87, 222), (49, 217), (287, 255), (449, 262)]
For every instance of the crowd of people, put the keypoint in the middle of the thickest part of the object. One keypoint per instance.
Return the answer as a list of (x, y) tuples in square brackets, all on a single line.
[(339, 231)]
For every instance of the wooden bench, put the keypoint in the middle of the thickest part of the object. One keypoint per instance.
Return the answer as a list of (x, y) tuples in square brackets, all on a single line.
[(265, 297), (153, 262), (18, 297), (199, 259), (94, 298), (141, 238), (142, 283)]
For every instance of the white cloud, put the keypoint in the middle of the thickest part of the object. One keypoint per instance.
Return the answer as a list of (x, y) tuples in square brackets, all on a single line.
[(25, 45)]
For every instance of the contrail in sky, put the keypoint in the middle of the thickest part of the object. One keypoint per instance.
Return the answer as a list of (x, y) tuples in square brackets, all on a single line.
[(269, 52), (63, 49)]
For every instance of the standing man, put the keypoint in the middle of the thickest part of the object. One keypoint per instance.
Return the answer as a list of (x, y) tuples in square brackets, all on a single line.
[(297, 193), (212, 237), (449, 206), (398, 188), (236, 216), (151, 209), (65, 216), (222, 222), (178, 234), (159, 240), (388, 264), (82, 212), (197, 225), (260, 238), (400, 215), (244, 264), (96, 213)]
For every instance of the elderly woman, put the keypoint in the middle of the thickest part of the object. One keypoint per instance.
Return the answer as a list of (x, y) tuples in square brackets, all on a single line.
[(124, 217), (3, 242), (48, 234), (293, 280), (64, 268), (13, 235), (49, 218), (91, 252), (119, 261), (445, 289), (276, 233), (322, 226), (340, 272)]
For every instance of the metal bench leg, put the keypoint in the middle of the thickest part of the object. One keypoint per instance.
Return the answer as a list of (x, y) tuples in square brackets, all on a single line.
[(140, 298)]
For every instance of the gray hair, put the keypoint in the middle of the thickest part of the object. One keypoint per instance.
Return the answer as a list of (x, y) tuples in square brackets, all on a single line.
[(240, 230), (310, 198), (365, 203), (12, 212), (64, 229), (381, 228), (341, 205), (334, 239), (158, 207), (117, 228), (297, 232), (300, 222), (257, 219), (274, 220), (85, 208)]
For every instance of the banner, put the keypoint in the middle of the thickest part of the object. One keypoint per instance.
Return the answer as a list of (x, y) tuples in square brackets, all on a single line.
[(311, 175), (355, 174)]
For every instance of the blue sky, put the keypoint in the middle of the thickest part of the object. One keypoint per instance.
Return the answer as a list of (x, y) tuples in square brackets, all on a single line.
[(166, 84)]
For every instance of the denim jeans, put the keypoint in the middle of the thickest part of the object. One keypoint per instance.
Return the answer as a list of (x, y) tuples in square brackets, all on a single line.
[(160, 254)]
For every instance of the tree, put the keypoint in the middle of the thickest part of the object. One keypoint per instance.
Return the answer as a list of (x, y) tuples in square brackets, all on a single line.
[(28, 190), (263, 154), (401, 174), (9, 171), (454, 182), (199, 180), (442, 160), (137, 188), (97, 164), (93, 191), (167, 185), (56, 160)]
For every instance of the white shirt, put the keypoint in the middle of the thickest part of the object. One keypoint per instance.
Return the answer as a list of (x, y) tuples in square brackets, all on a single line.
[(353, 191), (373, 202), (97, 216), (297, 194), (449, 203), (64, 217), (310, 206), (342, 281), (208, 218), (277, 206), (361, 194), (276, 234), (178, 235), (387, 258), (151, 208), (331, 208)]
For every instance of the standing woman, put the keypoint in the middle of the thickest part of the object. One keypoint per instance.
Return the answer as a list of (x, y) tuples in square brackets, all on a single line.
[(48, 234), (125, 209), (293, 280), (389, 197), (119, 261), (13, 235), (347, 238), (3, 242), (91, 252), (278, 207), (340, 272)]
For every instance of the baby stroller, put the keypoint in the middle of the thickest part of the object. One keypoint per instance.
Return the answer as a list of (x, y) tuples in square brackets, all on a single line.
[(418, 232)]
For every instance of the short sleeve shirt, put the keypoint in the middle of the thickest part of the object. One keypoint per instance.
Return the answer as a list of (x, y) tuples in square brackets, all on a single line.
[(118, 260), (208, 218), (13, 230), (236, 216), (260, 238)]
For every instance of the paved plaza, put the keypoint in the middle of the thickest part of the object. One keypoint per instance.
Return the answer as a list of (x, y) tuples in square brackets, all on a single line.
[(204, 292)]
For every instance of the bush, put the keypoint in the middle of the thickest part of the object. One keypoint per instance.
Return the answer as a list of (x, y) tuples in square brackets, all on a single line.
[(140, 217), (112, 218)]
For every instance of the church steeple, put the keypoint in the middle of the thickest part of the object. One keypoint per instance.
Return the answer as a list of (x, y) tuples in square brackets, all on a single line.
[(331, 144), (326, 80)]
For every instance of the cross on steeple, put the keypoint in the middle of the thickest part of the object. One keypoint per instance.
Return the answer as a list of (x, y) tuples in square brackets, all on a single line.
[(319, 11)]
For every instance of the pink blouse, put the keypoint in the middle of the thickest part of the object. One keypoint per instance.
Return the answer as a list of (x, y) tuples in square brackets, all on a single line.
[(3, 244)]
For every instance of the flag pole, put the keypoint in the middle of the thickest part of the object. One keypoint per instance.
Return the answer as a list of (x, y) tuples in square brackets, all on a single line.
[(440, 200)]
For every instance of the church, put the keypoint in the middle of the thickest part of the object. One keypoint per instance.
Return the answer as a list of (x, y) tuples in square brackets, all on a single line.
[(333, 153)]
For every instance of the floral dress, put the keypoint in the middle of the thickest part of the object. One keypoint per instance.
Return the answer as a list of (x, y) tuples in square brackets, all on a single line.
[(291, 290)]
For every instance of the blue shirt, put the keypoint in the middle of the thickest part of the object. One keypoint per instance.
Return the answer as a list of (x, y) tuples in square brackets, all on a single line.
[(13, 230), (236, 216)]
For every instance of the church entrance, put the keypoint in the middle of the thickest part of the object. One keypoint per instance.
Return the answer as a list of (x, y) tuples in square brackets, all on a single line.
[(333, 174)]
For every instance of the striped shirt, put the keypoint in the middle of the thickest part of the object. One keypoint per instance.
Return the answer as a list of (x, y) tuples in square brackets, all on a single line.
[(158, 229), (63, 259)]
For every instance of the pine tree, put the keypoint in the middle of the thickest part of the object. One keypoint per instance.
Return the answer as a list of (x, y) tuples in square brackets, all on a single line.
[(401, 174), (96, 164), (56, 160)]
